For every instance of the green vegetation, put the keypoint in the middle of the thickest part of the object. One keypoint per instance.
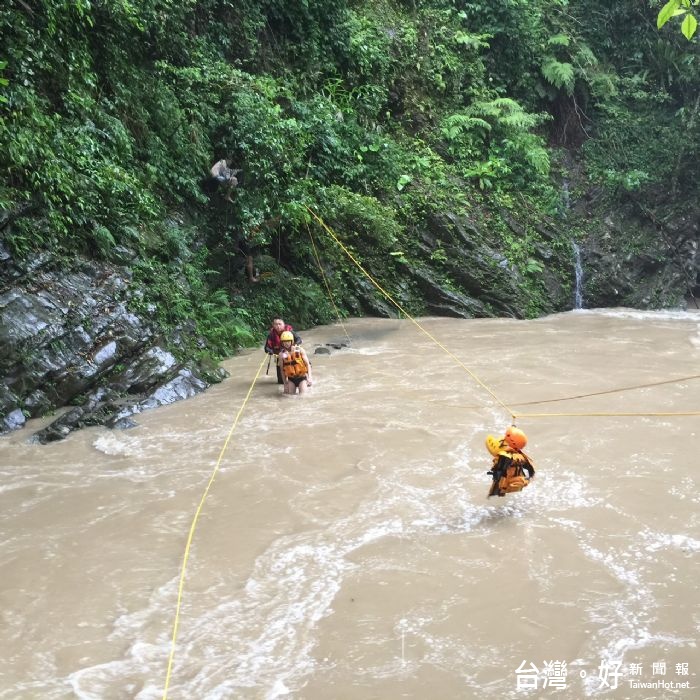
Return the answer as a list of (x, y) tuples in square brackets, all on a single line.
[(680, 8), (379, 115)]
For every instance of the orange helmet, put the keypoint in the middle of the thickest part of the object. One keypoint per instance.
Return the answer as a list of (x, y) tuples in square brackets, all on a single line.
[(286, 335), (515, 438)]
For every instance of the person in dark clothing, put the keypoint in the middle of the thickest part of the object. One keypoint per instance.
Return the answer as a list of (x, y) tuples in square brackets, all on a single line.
[(246, 251), (273, 342)]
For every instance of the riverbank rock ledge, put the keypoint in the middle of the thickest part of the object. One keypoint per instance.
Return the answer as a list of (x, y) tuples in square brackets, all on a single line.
[(69, 339)]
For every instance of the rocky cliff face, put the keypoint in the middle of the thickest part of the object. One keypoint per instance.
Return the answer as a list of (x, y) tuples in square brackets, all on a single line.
[(67, 338), (637, 258), (478, 279)]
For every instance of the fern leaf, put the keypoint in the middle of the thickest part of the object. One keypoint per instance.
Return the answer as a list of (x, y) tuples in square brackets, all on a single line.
[(506, 104), (520, 121), (484, 109), (538, 158), (558, 40), (585, 57), (561, 75), (476, 123), (472, 41), (455, 124)]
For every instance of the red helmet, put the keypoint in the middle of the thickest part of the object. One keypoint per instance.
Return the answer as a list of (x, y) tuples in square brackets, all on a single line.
[(515, 438)]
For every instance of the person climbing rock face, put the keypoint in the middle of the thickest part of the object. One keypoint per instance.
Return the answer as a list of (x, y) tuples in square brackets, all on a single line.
[(226, 177), (294, 364)]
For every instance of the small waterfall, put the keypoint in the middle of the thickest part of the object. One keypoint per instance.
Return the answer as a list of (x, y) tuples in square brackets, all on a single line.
[(578, 271), (578, 267), (565, 198)]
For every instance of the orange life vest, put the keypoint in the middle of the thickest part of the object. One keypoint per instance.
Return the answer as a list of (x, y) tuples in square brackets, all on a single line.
[(509, 468), (293, 364), (514, 479)]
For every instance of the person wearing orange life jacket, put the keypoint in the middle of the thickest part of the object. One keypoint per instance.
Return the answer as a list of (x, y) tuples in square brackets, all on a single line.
[(273, 342), (294, 365), (509, 462)]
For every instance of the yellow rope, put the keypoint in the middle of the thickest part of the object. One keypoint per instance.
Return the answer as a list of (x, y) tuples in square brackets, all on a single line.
[(325, 281), (617, 390), (612, 413), (406, 314), (194, 525), (608, 413), (610, 391)]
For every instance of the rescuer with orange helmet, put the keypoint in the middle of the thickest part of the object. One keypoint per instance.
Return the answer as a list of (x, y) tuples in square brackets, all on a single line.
[(509, 462)]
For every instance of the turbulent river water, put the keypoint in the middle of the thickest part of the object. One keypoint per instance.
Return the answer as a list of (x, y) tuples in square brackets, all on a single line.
[(346, 548)]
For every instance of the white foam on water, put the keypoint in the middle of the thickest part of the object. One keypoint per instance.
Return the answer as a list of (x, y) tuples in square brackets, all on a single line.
[(656, 541), (271, 625), (310, 573), (370, 351), (141, 658), (113, 444), (645, 315), (626, 622), (686, 489), (613, 656)]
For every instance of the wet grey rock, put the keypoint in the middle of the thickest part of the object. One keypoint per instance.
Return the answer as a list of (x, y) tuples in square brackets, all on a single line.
[(631, 259), (61, 427), (321, 350), (122, 424), (369, 301), (477, 280), (14, 420), (68, 336), (445, 302), (457, 269), (146, 370), (183, 386)]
